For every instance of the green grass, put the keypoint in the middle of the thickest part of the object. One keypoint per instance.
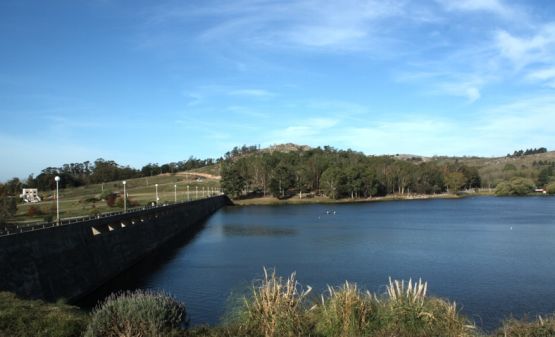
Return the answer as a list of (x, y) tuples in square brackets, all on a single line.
[(22, 318), (74, 203)]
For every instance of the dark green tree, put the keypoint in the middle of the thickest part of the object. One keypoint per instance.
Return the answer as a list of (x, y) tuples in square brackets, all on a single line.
[(232, 181)]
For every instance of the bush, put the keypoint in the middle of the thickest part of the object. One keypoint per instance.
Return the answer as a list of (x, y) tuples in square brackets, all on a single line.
[(130, 202), (550, 188), (138, 313), (21, 318), (34, 211), (517, 186), (111, 199), (540, 328)]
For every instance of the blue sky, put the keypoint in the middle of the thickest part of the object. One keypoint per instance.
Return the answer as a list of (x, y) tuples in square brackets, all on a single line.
[(159, 81)]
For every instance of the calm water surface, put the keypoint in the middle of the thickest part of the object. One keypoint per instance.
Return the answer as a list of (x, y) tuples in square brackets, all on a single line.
[(493, 256)]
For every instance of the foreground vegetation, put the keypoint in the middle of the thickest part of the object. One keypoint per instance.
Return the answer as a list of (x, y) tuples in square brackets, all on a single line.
[(274, 307)]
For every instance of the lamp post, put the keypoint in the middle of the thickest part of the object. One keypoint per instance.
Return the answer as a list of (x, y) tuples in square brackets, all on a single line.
[(124, 197), (196, 192), (188, 195), (175, 193), (57, 179), (157, 199)]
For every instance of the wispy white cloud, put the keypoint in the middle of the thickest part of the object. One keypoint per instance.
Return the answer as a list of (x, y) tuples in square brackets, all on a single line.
[(492, 6), (251, 93), (247, 112), (538, 47), (302, 23), (469, 90), (307, 131)]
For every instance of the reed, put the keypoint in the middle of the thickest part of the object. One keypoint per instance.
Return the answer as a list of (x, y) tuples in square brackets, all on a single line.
[(275, 307), (346, 311), (407, 311)]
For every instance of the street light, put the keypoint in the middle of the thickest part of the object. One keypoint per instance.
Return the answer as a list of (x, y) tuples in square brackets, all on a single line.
[(156, 185), (175, 193), (124, 197), (188, 195), (57, 179)]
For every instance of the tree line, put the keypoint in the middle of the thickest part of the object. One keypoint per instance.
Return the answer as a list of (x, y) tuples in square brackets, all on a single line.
[(99, 171), (340, 174), (527, 152)]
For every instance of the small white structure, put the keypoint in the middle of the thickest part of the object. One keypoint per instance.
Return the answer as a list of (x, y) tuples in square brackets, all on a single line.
[(540, 190), (30, 195)]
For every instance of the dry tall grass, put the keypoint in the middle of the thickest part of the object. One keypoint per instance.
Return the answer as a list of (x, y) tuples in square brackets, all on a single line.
[(346, 311), (542, 327), (276, 307)]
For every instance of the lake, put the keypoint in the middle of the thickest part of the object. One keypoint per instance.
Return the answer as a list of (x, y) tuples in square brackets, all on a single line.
[(493, 256)]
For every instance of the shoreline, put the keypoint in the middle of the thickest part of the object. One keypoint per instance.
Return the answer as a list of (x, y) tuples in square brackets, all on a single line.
[(269, 201)]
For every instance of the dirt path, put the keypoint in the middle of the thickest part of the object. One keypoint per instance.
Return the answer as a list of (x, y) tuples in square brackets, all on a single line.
[(198, 174)]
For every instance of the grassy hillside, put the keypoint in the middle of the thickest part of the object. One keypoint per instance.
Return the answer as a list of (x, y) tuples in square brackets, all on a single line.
[(85, 200), (496, 169)]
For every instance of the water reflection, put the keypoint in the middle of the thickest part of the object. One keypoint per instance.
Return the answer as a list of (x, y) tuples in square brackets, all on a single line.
[(256, 230)]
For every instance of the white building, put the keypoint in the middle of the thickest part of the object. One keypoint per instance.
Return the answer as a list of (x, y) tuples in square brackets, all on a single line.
[(30, 195)]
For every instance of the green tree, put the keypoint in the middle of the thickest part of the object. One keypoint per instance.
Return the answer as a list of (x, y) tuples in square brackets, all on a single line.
[(516, 186), (544, 177), (334, 182), (283, 178), (232, 182), (8, 208), (550, 188), (454, 181)]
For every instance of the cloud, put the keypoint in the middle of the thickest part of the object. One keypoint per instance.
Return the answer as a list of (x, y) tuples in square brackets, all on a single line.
[(525, 51), (308, 131), (296, 23), (468, 90), (251, 93), (492, 6)]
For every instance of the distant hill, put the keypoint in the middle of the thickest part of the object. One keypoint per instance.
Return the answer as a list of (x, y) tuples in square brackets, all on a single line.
[(289, 147)]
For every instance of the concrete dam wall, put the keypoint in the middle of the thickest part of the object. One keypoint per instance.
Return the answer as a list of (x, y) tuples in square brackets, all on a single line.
[(70, 261)]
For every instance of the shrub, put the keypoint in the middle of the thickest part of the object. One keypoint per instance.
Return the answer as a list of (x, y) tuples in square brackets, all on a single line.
[(21, 318), (517, 186), (550, 188), (34, 211), (138, 313), (130, 202), (111, 199), (539, 328)]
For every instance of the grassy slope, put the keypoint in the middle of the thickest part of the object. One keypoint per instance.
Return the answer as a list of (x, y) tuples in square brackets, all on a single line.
[(491, 169), (142, 190)]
